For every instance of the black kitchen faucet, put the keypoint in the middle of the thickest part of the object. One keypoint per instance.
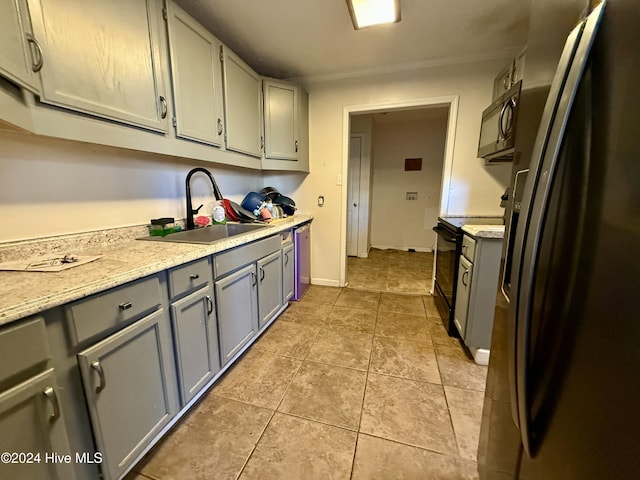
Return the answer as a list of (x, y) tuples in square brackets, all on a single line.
[(190, 209)]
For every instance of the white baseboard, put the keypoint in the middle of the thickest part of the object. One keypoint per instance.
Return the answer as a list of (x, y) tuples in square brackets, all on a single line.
[(480, 355), (406, 249), (325, 282)]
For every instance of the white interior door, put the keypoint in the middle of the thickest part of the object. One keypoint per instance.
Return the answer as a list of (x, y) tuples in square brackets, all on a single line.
[(353, 194)]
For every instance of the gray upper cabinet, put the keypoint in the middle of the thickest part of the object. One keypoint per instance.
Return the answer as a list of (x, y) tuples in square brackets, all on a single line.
[(103, 58), (196, 74), (129, 385), (269, 286), (286, 126), (280, 120), (20, 53), (242, 105), (31, 422)]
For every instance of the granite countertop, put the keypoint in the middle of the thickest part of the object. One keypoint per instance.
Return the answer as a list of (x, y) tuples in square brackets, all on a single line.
[(484, 231), (27, 293)]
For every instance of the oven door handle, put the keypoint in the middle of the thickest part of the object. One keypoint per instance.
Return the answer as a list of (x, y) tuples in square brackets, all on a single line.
[(441, 231)]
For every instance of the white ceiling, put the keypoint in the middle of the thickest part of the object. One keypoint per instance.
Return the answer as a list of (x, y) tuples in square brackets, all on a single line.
[(315, 39)]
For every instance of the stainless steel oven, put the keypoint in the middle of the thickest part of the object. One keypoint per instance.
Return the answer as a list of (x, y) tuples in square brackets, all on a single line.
[(448, 249), (448, 245)]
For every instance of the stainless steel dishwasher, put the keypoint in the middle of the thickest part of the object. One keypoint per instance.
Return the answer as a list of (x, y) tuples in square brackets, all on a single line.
[(302, 270)]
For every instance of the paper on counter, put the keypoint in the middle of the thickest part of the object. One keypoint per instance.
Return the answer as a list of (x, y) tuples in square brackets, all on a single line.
[(47, 264)]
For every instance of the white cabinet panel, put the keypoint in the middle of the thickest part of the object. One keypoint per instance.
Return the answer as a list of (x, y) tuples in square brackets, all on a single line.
[(103, 58), (196, 72)]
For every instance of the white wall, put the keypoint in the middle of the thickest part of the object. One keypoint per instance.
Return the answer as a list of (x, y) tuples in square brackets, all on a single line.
[(475, 189), (397, 136), (50, 187)]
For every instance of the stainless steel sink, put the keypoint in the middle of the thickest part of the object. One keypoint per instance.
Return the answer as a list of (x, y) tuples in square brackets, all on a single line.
[(207, 235)]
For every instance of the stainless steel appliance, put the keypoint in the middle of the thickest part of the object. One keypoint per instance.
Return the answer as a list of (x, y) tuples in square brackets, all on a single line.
[(302, 267), (498, 128), (449, 247), (562, 395)]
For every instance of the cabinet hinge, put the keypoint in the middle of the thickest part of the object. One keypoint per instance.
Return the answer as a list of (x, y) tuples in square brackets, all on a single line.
[(164, 13), (174, 121), (221, 54)]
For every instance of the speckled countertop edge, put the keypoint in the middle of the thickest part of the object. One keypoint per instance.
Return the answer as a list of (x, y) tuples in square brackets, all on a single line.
[(28, 293), (484, 231)]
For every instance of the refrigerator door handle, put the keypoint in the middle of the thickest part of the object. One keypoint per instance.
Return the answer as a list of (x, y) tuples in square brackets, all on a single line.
[(531, 224)]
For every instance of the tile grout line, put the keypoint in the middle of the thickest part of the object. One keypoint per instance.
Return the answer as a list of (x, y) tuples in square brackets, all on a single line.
[(364, 392)]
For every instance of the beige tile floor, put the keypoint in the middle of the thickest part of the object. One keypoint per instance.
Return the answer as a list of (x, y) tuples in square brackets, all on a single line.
[(346, 384), (391, 271)]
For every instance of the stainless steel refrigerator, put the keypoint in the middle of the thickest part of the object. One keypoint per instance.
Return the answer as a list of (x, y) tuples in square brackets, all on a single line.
[(563, 388)]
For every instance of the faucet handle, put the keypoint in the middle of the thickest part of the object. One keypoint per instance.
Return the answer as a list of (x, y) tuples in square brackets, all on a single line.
[(196, 210)]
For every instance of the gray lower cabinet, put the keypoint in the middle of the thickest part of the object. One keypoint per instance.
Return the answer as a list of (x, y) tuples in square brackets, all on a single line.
[(32, 423), (288, 262), (195, 337), (128, 386), (269, 287), (237, 308)]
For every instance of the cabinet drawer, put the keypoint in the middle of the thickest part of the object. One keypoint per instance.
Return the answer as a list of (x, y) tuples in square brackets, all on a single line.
[(232, 260), (468, 247), (113, 308), (191, 276), (23, 346)]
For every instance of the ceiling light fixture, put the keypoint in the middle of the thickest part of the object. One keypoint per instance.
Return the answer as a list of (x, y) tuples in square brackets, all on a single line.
[(366, 13)]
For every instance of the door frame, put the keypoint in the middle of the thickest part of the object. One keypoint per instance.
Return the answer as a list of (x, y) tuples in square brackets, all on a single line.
[(450, 100)]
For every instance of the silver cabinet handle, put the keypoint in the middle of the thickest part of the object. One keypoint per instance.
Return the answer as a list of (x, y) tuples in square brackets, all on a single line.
[(36, 64), (219, 127), (125, 306), (210, 303), (194, 276), (261, 142), (296, 146), (261, 274), (98, 368), (52, 397), (466, 272), (163, 103), (254, 280), (286, 259)]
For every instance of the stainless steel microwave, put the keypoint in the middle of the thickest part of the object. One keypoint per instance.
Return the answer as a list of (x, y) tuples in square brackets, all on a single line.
[(498, 129)]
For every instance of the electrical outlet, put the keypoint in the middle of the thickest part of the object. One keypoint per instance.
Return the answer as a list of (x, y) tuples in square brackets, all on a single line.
[(338, 179), (412, 195), (321, 201)]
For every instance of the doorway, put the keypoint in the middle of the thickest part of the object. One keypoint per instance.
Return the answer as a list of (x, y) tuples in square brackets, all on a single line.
[(392, 191)]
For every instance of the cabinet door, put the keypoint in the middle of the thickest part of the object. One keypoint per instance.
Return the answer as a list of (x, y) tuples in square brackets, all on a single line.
[(243, 106), (20, 55), (195, 336), (287, 272), (280, 120), (102, 58), (462, 295), (31, 422), (129, 386), (269, 286), (196, 73), (237, 308)]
